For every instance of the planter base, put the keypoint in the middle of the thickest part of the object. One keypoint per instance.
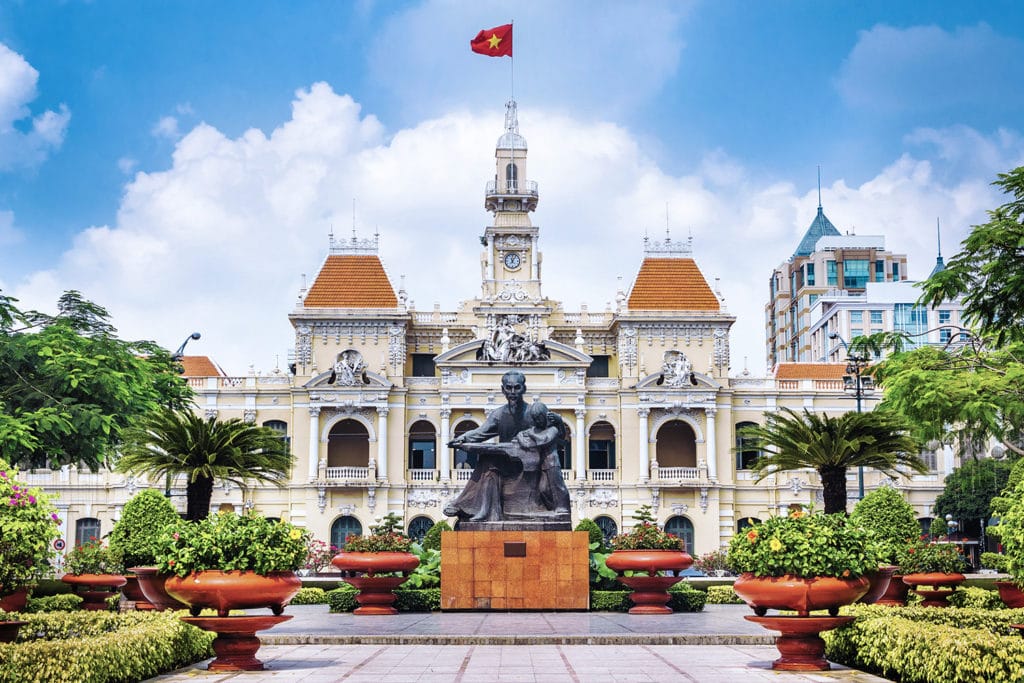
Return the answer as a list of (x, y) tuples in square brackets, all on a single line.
[(650, 593), (801, 647), (376, 593), (1010, 593), (236, 643), (935, 598), (9, 630)]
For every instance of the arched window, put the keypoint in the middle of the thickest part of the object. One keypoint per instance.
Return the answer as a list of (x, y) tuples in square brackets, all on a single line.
[(422, 446), (419, 526), (281, 427), (342, 528), (683, 528), (677, 445), (746, 454), (348, 445), (607, 526), (601, 455), (87, 529), (464, 460), (746, 523), (565, 450), (512, 177)]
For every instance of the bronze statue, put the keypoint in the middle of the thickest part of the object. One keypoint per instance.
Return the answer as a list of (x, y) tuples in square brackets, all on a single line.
[(518, 479)]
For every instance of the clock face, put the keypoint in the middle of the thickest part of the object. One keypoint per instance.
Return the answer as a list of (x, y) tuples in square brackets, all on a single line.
[(512, 261)]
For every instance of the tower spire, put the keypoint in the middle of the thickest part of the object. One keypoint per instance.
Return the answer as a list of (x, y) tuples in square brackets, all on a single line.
[(819, 187), (939, 263)]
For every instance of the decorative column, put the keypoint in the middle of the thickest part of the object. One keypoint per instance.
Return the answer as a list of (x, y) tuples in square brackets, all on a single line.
[(314, 442), (709, 443), (580, 447), (382, 442), (445, 452), (534, 275), (644, 445)]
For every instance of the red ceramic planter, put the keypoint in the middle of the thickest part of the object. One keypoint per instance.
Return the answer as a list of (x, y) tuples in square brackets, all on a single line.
[(225, 591), (15, 601), (801, 647), (798, 594), (376, 593), (1010, 593), (880, 581), (895, 594), (151, 583), (91, 588), (9, 630), (236, 643), (133, 592), (943, 585), (650, 592)]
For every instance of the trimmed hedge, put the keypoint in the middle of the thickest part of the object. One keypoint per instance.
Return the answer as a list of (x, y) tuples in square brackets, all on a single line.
[(723, 595), (414, 600), (682, 598), (97, 647), (310, 596), (923, 645), (63, 602), (978, 598)]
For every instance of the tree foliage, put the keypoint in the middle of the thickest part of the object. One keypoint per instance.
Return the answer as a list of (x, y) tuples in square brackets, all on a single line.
[(969, 491), (69, 386), (170, 443), (890, 518), (832, 445)]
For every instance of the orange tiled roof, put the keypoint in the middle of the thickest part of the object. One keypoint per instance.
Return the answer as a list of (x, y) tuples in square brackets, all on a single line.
[(352, 281), (200, 366), (810, 370), (673, 284)]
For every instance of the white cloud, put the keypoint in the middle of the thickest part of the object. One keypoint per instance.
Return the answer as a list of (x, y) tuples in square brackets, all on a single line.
[(127, 165), (218, 242), (925, 68), (25, 144), (166, 127)]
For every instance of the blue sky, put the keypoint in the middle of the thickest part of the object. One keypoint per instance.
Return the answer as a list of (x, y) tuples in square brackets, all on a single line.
[(182, 162)]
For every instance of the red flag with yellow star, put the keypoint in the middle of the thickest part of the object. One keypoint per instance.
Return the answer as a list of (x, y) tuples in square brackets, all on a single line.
[(493, 42)]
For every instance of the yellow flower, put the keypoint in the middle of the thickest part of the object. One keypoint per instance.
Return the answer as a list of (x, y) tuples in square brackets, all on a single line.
[(752, 535), (797, 514), (775, 544), (294, 534)]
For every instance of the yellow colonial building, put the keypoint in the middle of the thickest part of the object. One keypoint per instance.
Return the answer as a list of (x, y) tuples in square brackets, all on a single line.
[(377, 389)]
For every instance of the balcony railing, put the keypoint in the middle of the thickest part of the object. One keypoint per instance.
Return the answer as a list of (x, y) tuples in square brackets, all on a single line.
[(462, 475), (422, 475), (348, 473), (601, 475), (679, 473)]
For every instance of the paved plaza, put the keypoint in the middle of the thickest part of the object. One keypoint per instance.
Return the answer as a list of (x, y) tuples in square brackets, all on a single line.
[(714, 646)]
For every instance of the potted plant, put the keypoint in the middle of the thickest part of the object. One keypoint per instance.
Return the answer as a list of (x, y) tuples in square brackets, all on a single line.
[(230, 561), (1009, 508), (382, 561), (136, 535), (803, 562), (892, 523), (644, 559), (715, 563), (938, 565), (95, 571), (28, 528)]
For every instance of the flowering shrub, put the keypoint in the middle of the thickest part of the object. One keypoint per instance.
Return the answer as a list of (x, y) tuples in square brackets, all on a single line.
[(138, 530), (231, 542), (805, 545), (385, 536), (92, 557), (646, 535), (318, 555), (28, 527), (715, 561), (922, 557)]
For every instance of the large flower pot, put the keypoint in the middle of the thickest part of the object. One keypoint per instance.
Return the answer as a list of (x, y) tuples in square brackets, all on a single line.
[(15, 601), (879, 584), (132, 592), (376, 593), (94, 589), (801, 647), (650, 592), (236, 643), (801, 595), (151, 583), (9, 630), (225, 591), (942, 586), (895, 594), (1010, 593)]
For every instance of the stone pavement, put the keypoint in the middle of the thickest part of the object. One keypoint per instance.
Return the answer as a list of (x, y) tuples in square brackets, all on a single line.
[(713, 646)]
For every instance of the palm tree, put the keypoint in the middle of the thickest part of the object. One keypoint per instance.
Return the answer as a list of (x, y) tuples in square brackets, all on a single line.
[(832, 445), (170, 443)]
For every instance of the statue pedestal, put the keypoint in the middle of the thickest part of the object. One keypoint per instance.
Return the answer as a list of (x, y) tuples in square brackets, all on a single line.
[(502, 569)]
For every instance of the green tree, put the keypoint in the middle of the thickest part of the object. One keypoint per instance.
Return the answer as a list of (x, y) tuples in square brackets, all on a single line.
[(171, 443), (832, 445), (969, 491), (69, 386), (142, 520), (890, 519)]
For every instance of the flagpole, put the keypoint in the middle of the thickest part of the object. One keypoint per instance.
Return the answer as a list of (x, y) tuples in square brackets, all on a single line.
[(513, 59)]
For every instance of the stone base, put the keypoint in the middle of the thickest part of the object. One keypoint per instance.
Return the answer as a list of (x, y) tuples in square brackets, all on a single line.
[(506, 569), (513, 525)]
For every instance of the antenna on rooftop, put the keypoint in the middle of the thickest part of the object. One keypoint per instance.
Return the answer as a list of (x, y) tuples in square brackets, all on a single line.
[(938, 236), (819, 186), (353, 220)]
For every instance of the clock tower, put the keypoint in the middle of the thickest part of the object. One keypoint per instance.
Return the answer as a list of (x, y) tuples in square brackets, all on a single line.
[(511, 262)]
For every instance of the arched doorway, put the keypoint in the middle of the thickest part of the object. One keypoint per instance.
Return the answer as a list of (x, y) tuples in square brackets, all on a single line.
[(464, 460), (422, 446), (683, 528), (419, 526), (607, 526), (348, 445), (677, 445), (342, 528)]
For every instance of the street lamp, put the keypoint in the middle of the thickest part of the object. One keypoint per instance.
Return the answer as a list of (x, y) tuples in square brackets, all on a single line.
[(858, 385), (177, 356)]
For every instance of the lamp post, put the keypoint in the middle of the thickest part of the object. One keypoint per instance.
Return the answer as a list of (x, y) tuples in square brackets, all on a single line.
[(858, 385), (177, 356)]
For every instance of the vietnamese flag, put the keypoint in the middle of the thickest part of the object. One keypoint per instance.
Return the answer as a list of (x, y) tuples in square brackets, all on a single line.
[(493, 42)]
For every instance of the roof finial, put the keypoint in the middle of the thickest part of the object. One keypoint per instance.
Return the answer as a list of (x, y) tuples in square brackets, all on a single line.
[(353, 220), (938, 236), (511, 117), (819, 187)]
